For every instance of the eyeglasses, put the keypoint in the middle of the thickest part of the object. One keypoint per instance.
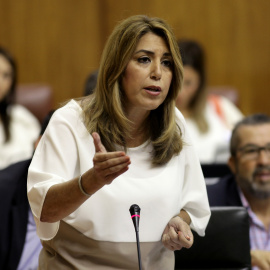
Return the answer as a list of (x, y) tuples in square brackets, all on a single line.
[(253, 152)]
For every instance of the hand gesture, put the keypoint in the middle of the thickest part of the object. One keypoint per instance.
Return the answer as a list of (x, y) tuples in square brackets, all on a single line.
[(177, 234), (108, 165)]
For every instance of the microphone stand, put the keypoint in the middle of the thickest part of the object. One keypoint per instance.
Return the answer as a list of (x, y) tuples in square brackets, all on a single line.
[(135, 215), (138, 250)]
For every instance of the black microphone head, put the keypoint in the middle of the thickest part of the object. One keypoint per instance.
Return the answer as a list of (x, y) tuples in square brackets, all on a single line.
[(134, 209), (135, 215)]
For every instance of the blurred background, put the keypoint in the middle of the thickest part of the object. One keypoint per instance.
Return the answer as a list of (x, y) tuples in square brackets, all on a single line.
[(59, 42)]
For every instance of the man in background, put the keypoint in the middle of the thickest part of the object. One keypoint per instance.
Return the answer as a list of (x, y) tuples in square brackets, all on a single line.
[(249, 183)]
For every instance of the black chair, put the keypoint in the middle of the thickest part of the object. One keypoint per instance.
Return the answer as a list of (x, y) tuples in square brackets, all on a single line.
[(213, 172), (224, 246)]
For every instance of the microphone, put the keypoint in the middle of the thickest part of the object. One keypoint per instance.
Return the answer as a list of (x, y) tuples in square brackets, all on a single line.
[(135, 216)]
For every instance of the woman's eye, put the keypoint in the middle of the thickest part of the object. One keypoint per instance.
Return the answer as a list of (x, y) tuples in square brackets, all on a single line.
[(144, 59), (167, 63)]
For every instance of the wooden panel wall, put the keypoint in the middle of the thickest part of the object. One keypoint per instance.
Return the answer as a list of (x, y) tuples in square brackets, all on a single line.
[(59, 42)]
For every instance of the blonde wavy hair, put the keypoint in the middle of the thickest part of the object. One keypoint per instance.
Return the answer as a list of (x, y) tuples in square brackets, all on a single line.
[(104, 111)]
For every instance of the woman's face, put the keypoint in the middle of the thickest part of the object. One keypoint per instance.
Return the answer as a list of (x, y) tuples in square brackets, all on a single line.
[(5, 77), (190, 87), (148, 75)]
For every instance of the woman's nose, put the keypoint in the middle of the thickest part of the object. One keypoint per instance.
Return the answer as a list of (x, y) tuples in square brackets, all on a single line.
[(156, 71)]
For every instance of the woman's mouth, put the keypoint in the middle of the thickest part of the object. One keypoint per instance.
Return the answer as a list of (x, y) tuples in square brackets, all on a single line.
[(153, 90)]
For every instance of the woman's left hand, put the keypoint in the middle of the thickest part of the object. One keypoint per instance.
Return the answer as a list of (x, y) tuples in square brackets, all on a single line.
[(177, 234)]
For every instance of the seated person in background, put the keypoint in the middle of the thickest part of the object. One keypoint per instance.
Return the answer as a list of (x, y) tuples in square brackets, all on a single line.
[(249, 183), (209, 119), (90, 83), (19, 243), (18, 127)]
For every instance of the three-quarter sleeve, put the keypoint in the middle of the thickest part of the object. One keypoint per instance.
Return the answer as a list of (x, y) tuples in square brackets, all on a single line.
[(55, 161)]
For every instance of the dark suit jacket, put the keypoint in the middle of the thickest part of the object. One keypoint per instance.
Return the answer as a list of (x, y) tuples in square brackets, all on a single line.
[(224, 193), (14, 208)]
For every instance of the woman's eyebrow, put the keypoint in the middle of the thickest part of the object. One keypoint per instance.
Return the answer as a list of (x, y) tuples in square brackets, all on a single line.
[(151, 52)]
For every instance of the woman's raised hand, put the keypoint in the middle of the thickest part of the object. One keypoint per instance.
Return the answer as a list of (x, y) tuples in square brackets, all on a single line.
[(108, 165)]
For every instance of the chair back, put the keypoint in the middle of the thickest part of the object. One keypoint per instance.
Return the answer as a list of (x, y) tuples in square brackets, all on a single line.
[(214, 171), (225, 244), (37, 98)]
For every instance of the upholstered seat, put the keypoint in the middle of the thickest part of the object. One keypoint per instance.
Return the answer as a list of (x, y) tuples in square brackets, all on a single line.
[(224, 246), (37, 98)]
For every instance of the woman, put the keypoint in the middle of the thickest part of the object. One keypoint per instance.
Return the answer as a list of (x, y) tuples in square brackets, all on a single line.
[(18, 127), (210, 118), (81, 187)]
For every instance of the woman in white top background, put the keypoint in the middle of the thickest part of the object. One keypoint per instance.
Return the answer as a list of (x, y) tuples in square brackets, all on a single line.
[(210, 118), (18, 127), (124, 144)]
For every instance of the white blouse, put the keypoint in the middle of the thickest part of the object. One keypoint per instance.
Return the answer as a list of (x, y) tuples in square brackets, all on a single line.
[(66, 150), (24, 130)]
